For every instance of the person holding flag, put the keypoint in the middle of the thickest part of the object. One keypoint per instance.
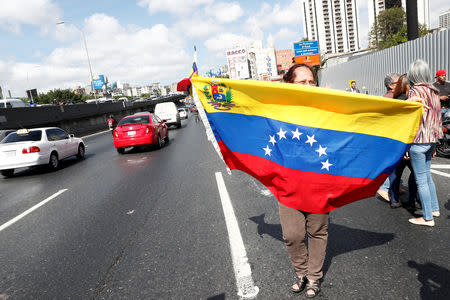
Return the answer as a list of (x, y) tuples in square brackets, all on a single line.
[(307, 260), (315, 149)]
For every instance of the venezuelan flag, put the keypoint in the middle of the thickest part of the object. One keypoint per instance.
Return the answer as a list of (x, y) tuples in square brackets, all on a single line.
[(315, 149)]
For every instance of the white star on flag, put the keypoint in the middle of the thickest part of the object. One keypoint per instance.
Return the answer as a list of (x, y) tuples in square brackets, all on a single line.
[(310, 140), (282, 134), (326, 165), (296, 134), (268, 150), (272, 140), (321, 150)]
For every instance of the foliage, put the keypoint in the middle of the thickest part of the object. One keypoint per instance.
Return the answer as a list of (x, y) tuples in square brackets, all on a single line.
[(390, 29), (60, 96)]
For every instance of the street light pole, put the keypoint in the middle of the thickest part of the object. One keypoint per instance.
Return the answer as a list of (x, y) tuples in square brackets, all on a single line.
[(87, 54)]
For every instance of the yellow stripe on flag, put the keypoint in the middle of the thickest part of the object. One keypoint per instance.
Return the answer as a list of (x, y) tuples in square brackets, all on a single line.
[(318, 107)]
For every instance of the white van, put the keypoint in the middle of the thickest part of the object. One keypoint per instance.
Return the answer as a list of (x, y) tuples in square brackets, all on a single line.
[(8, 103), (168, 111)]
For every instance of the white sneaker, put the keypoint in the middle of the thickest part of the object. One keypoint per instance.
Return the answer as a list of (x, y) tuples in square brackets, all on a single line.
[(436, 213), (384, 195), (421, 221)]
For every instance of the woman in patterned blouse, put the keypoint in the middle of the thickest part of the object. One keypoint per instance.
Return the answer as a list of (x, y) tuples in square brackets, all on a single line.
[(430, 131)]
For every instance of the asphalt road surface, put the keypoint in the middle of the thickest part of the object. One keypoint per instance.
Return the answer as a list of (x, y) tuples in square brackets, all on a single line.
[(150, 225)]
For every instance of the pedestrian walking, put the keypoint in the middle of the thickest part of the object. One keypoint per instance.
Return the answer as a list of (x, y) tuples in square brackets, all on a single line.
[(401, 92), (196, 116), (430, 131), (390, 81), (306, 257)]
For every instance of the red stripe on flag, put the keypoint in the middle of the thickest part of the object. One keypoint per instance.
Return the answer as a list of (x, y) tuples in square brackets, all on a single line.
[(307, 191)]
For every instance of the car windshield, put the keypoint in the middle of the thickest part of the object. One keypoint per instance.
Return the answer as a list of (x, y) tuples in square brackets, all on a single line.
[(134, 120), (32, 136)]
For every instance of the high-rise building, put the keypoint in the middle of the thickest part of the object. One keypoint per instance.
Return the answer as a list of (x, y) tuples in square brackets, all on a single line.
[(333, 23), (444, 19), (375, 7)]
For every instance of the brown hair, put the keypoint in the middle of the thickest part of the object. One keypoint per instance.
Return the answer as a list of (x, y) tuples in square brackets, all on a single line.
[(289, 76), (401, 86)]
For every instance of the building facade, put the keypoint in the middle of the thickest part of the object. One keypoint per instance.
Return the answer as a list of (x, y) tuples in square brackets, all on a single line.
[(333, 23), (444, 19), (264, 61), (284, 60)]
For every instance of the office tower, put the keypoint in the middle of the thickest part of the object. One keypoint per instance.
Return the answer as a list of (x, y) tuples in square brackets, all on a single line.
[(333, 23)]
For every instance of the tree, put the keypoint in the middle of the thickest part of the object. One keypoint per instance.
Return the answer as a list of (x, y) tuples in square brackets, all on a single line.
[(389, 29), (60, 96)]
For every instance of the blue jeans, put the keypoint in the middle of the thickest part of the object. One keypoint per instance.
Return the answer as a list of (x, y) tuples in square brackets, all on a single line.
[(421, 163), (395, 179), (385, 185)]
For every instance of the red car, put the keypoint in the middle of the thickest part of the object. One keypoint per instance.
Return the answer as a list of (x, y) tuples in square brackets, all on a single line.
[(140, 129)]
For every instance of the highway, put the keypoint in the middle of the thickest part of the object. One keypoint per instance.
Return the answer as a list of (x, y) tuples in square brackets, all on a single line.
[(150, 224)]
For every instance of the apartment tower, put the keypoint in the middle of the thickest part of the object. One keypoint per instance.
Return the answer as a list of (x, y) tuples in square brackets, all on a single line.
[(333, 23)]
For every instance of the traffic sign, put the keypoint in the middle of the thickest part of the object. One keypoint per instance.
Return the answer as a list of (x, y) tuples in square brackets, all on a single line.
[(306, 45), (303, 52)]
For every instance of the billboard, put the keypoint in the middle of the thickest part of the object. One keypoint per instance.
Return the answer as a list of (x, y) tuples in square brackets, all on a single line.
[(307, 53), (32, 94), (238, 63), (310, 60), (98, 82)]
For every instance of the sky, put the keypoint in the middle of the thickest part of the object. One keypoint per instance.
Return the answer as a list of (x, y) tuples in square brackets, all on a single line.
[(139, 41)]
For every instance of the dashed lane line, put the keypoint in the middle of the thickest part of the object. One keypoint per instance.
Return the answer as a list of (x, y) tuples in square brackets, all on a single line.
[(242, 271), (14, 220)]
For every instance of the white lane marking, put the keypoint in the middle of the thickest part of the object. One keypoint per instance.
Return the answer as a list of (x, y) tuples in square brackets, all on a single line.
[(14, 220), (440, 173), (440, 166), (242, 270)]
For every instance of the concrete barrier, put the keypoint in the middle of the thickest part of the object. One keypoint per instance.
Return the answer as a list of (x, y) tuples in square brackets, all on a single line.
[(79, 119)]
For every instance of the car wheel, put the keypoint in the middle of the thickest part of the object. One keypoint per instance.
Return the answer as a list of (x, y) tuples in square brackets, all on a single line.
[(7, 173), (54, 161), (81, 151), (120, 150), (166, 139), (159, 142)]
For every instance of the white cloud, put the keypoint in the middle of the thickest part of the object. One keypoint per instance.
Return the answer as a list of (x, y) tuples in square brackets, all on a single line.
[(177, 7), (129, 54), (197, 27), (226, 41), (14, 14), (286, 34), (225, 12)]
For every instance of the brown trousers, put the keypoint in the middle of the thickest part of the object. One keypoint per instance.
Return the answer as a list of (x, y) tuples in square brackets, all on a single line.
[(295, 225)]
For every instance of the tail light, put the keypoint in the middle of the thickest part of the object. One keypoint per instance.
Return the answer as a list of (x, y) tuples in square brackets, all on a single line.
[(32, 149), (148, 129), (445, 129), (116, 134)]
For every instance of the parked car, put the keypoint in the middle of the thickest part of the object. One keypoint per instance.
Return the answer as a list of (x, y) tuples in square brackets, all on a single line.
[(168, 111), (9, 103), (39, 146), (183, 113), (140, 129)]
